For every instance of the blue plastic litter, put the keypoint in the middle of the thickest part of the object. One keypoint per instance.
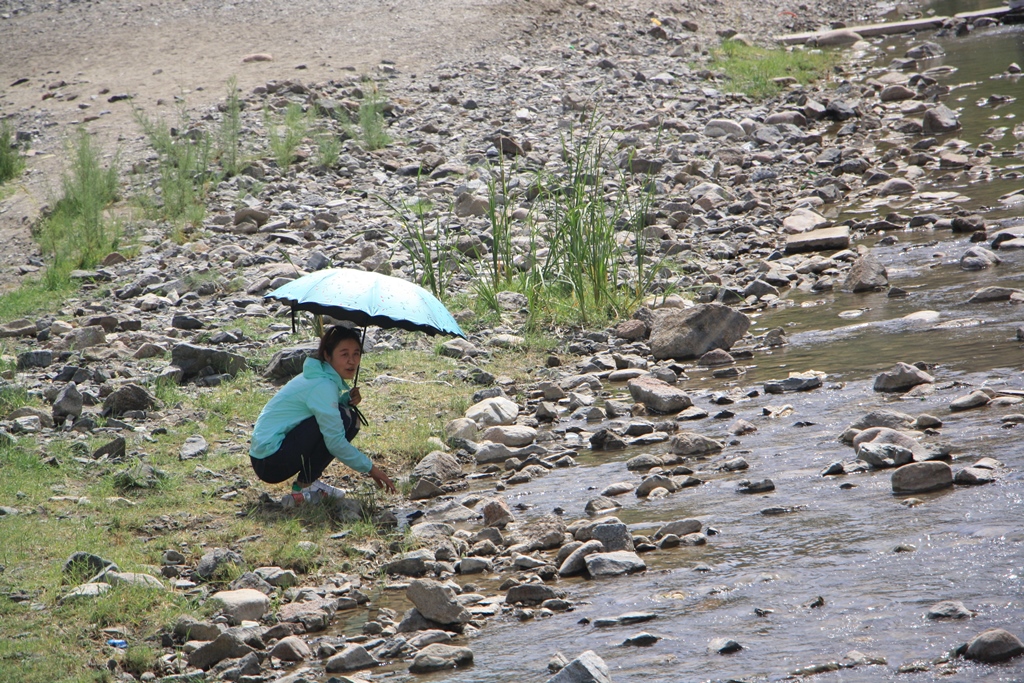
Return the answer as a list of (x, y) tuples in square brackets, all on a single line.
[(117, 642)]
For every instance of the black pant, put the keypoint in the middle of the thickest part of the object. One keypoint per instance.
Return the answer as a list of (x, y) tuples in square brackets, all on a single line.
[(303, 452)]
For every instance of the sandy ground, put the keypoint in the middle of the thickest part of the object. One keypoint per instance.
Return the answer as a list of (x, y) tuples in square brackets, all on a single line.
[(63, 60)]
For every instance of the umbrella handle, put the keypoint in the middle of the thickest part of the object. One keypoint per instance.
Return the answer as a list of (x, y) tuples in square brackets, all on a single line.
[(355, 380)]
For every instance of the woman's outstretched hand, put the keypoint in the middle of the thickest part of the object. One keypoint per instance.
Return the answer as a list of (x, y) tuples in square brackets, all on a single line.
[(354, 397), (381, 480)]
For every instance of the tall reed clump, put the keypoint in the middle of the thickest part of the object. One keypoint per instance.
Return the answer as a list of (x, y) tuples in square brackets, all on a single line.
[(587, 261), (185, 156), (429, 241), (76, 233), (11, 161), (371, 118)]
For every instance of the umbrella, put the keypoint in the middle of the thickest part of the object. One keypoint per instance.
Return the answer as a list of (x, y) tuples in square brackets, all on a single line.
[(366, 298)]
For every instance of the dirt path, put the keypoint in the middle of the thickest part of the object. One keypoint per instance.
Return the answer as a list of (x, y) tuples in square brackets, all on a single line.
[(64, 59)]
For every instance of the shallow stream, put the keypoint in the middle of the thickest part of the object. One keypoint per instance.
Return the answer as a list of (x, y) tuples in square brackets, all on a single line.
[(838, 543)]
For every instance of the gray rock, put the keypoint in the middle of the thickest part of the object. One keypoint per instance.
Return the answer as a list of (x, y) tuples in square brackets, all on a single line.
[(949, 609), (291, 649), (514, 436), (600, 504), (884, 454), (587, 668), (690, 333), (866, 275), (69, 403), (691, 443), (975, 399), (994, 645), (352, 658), (575, 563), (437, 657), (974, 476), (82, 563), (601, 565), (902, 377), (822, 239), (210, 562), (940, 119), (531, 594), (680, 527), (493, 411), (129, 397), (993, 294), (414, 563), (437, 466), (717, 128), (658, 396), (797, 381), (891, 419), (921, 477), (978, 258), (724, 646), (246, 604), (488, 452), (613, 537), (436, 602), (194, 447), (497, 513), (36, 358), (653, 482), (188, 628), (84, 337), (193, 360), (224, 646), (543, 533), (287, 363)]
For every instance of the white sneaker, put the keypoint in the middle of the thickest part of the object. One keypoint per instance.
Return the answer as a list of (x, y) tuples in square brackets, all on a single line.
[(325, 490)]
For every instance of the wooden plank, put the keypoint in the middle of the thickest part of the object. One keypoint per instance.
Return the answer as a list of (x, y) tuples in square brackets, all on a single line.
[(870, 30), (995, 13)]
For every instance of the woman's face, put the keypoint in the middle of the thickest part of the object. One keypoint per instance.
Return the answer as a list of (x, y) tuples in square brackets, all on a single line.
[(345, 358)]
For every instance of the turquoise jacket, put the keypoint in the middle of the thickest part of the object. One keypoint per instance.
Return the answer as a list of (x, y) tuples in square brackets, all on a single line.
[(317, 392)]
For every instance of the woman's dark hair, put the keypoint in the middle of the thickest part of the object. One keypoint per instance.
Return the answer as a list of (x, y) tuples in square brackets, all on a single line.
[(333, 336)]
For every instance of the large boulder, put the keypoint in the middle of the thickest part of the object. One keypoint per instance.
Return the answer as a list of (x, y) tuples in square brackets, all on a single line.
[(437, 466), (940, 119), (902, 377), (658, 396), (691, 443), (128, 398), (224, 646), (438, 656), (621, 562), (866, 275), (241, 605), (287, 363), (690, 333), (194, 359), (515, 436), (436, 602), (921, 477), (994, 645), (587, 668), (493, 411)]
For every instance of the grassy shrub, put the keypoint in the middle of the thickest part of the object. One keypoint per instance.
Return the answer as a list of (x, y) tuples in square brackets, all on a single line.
[(285, 133), (77, 233), (588, 261), (228, 146), (371, 118), (429, 242), (11, 161), (328, 149), (185, 174), (753, 70)]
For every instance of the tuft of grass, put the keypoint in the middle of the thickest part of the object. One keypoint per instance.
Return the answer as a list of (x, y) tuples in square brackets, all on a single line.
[(752, 70), (185, 175), (371, 118), (11, 161), (284, 134), (429, 243), (77, 233), (230, 129), (328, 149)]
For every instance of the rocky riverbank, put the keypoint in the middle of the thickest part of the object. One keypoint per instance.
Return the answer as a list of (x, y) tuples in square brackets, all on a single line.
[(741, 191)]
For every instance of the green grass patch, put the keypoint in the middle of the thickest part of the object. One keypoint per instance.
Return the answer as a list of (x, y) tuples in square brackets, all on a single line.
[(752, 70), (11, 161), (285, 132), (77, 233)]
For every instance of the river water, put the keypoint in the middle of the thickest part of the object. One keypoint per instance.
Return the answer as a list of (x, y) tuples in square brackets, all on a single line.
[(838, 544)]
